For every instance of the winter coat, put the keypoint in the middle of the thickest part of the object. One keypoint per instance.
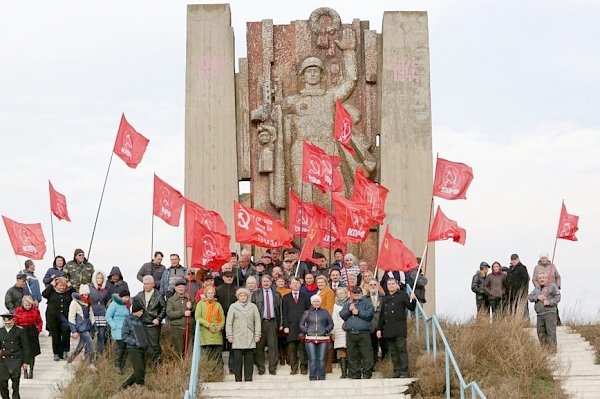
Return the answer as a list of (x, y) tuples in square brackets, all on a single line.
[(362, 321), (134, 334), (116, 314), (226, 296), (376, 310), (339, 335), (99, 299), (15, 348), (176, 308), (392, 321), (494, 286), (81, 316), (13, 297), (119, 286), (51, 274), (79, 273), (150, 269), (517, 281), (168, 279), (57, 309), (31, 323), (292, 313), (421, 283), (156, 309), (551, 292), (550, 270), (316, 323), (243, 324), (478, 285), (32, 286), (240, 276), (208, 337), (327, 299)]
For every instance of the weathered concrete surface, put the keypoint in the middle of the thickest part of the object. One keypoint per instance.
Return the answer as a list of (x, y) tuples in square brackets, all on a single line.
[(211, 173), (405, 139)]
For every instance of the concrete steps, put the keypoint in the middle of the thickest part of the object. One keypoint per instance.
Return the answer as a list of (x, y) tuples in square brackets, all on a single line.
[(575, 365), (283, 385), (47, 374)]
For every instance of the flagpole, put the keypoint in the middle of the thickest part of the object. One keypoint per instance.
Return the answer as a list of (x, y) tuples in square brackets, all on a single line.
[(152, 238), (100, 203), (556, 240), (18, 263), (52, 230), (301, 212), (419, 269), (437, 155)]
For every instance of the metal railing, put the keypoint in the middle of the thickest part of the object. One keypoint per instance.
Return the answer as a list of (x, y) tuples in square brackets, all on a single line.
[(433, 330), (191, 391)]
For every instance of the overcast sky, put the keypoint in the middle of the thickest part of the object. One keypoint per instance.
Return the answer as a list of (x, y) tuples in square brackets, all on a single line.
[(515, 93)]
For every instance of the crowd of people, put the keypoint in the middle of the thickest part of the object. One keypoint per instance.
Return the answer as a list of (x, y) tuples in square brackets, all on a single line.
[(504, 291), (273, 311)]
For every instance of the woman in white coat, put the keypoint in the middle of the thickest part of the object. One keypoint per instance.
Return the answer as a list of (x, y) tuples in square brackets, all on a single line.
[(339, 335), (242, 329)]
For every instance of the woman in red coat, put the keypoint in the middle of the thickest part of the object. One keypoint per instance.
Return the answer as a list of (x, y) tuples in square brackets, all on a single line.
[(27, 316)]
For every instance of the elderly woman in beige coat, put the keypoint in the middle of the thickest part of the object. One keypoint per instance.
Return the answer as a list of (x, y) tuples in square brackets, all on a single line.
[(242, 329)]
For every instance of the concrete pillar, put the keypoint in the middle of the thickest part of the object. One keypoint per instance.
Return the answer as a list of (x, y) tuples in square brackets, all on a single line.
[(211, 174), (405, 138)]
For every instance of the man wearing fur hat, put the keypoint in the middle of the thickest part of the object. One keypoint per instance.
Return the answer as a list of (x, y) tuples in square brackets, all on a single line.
[(14, 348), (79, 270)]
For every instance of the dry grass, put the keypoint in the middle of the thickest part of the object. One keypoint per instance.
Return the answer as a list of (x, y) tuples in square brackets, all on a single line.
[(170, 380), (503, 358)]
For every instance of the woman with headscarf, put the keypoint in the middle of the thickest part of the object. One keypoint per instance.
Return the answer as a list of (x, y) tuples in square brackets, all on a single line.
[(212, 320), (27, 316), (58, 296), (316, 324)]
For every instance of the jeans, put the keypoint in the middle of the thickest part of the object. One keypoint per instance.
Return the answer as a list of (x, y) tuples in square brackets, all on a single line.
[(85, 342), (100, 339), (316, 359)]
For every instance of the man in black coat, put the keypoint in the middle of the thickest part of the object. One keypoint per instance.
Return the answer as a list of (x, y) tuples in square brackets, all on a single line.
[(14, 348), (293, 306), (155, 310), (268, 302), (226, 297), (392, 326), (517, 287)]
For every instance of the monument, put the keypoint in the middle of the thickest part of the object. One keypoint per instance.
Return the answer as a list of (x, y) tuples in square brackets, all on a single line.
[(251, 125)]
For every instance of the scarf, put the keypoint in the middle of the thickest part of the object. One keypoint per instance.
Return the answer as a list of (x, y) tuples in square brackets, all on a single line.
[(85, 300), (311, 287), (497, 273), (342, 302), (213, 314)]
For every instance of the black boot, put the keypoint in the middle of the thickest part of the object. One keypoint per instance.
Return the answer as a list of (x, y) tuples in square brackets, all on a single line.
[(344, 366), (25, 374), (31, 369)]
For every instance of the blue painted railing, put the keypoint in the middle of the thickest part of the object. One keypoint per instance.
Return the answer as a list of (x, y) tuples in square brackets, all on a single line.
[(191, 391), (433, 329)]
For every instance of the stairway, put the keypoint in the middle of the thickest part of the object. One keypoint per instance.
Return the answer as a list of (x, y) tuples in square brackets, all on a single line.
[(283, 385), (575, 366), (47, 374)]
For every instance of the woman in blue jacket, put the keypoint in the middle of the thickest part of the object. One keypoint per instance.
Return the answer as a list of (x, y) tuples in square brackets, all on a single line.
[(117, 312)]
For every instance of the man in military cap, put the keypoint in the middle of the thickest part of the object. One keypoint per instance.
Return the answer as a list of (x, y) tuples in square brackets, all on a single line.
[(14, 348)]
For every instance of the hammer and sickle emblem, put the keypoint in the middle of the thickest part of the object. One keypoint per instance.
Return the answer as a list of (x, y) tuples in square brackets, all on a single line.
[(451, 178), (315, 167), (345, 136), (243, 219)]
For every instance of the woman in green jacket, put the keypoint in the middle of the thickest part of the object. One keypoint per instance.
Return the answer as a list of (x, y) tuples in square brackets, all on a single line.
[(212, 320)]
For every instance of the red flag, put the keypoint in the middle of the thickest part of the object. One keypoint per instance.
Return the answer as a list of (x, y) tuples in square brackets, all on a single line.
[(210, 249), (352, 218), (321, 169), (313, 239), (394, 255), (331, 236), (26, 239), (342, 130), (370, 192), (300, 216), (452, 179), (444, 228), (567, 225), (210, 219), (58, 204), (168, 202), (258, 228), (129, 144)]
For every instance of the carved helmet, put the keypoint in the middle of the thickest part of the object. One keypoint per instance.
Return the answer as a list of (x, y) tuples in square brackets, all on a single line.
[(310, 62)]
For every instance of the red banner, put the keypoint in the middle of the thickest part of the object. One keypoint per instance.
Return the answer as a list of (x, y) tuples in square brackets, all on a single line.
[(331, 236), (443, 228), (370, 192), (58, 204), (313, 239), (567, 225), (129, 144), (26, 239), (321, 169), (342, 130), (300, 216), (210, 249), (452, 179), (197, 213), (258, 228), (394, 255), (168, 202), (352, 218)]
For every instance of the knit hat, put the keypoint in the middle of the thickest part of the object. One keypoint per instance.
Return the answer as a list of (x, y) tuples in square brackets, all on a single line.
[(544, 255), (136, 306), (78, 251), (84, 289), (179, 282), (242, 291)]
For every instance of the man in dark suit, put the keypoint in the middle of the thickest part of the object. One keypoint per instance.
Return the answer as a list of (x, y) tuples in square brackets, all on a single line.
[(268, 302), (14, 348), (294, 305)]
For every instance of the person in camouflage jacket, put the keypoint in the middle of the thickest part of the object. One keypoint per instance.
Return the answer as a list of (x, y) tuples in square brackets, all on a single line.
[(79, 271)]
